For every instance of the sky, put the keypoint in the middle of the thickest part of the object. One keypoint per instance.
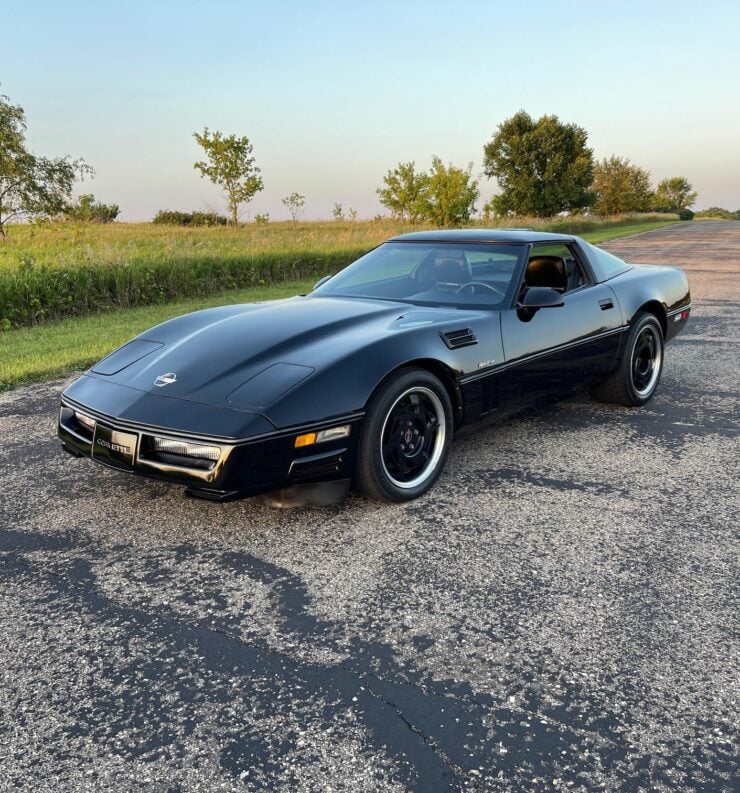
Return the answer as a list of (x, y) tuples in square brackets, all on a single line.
[(332, 95)]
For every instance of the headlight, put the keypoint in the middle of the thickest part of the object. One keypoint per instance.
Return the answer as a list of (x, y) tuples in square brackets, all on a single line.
[(333, 433), (169, 446), (86, 421)]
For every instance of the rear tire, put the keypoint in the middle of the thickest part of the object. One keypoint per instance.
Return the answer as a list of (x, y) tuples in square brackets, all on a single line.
[(405, 438), (636, 379)]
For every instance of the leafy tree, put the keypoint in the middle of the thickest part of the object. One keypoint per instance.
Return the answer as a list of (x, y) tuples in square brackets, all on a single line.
[(338, 212), (294, 202), (88, 210), (542, 167), (231, 166), (451, 194), (675, 194), (621, 187), (31, 187), (405, 192)]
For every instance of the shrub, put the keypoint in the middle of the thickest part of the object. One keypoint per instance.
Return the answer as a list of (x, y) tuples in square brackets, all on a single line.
[(718, 212), (33, 293), (88, 210), (170, 217), (685, 214), (262, 220)]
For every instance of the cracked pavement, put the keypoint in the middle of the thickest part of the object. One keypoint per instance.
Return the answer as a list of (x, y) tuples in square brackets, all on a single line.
[(560, 612)]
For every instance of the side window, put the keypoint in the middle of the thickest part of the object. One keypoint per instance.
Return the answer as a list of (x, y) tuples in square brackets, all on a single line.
[(605, 264), (547, 271)]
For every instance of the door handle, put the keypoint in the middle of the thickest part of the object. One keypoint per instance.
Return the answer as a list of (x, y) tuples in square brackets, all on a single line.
[(606, 304)]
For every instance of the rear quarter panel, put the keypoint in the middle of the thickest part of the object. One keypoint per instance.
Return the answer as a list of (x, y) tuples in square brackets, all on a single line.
[(652, 283)]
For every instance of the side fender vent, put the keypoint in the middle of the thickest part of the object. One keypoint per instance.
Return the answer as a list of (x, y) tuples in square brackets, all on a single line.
[(459, 338)]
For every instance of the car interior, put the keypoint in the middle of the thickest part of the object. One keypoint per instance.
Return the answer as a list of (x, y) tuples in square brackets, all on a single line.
[(471, 275), (453, 271), (555, 268)]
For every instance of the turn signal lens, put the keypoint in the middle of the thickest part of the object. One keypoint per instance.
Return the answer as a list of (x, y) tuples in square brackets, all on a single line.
[(322, 436)]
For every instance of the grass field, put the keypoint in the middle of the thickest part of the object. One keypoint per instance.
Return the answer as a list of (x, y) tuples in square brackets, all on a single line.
[(52, 349), (54, 271)]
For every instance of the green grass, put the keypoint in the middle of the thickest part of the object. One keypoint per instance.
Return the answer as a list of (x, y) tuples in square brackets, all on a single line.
[(639, 227), (54, 349), (55, 271)]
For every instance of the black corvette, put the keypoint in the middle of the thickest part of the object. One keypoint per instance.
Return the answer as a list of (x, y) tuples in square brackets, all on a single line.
[(367, 378)]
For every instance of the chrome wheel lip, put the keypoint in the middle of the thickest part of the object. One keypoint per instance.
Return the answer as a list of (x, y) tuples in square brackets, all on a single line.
[(439, 441), (655, 362)]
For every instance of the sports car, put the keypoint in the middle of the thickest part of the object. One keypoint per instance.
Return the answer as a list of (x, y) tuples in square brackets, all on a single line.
[(364, 381)]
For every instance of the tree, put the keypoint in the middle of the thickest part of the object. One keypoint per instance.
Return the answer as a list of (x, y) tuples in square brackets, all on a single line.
[(620, 186), (542, 167), (338, 212), (295, 202), (231, 166), (31, 187), (405, 192), (88, 210), (674, 194), (451, 194)]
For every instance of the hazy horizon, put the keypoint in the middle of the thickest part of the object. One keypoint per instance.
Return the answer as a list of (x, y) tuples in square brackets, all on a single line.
[(332, 97)]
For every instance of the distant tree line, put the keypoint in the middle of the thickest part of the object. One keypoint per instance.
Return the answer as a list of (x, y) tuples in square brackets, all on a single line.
[(169, 217), (543, 167), (719, 212)]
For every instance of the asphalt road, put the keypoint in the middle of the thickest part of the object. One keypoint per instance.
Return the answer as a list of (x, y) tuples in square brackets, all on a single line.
[(559, 613)]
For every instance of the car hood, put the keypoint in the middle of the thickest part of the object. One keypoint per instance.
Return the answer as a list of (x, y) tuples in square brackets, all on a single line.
[(212, 356)]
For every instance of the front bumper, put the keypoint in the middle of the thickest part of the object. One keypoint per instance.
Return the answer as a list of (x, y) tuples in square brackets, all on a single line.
[(241, 468)]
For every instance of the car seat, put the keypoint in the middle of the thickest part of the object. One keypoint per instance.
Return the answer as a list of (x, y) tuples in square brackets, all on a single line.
[(546, 271)]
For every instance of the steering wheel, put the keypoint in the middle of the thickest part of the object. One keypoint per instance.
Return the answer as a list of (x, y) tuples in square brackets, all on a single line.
[(473, 285)]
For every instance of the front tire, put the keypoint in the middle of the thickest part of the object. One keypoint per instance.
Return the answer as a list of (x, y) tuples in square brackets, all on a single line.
[(638, 375), (406, 437)]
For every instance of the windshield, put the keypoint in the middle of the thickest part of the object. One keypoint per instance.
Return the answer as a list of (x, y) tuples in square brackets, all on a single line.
[(432, 273)]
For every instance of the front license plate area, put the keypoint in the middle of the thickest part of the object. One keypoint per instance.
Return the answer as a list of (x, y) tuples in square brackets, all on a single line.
[(113, 447)]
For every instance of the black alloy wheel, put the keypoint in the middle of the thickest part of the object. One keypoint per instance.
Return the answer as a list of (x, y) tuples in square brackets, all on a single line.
[(406, 436), (638, 374)]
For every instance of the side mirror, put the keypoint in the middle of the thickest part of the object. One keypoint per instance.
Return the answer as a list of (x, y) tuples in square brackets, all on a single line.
[(537, 297), (541, 297), (321, 281)]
